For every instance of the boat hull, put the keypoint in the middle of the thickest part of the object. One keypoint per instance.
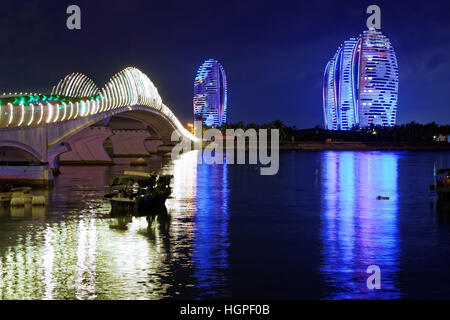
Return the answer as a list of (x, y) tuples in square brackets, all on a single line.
[(145, 206), (443, 192)]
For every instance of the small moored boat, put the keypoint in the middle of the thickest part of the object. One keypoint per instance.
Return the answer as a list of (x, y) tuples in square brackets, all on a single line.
[(139, 190), (442, 183)]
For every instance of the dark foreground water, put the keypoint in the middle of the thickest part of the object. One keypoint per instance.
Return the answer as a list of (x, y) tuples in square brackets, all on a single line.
[(309, 232)]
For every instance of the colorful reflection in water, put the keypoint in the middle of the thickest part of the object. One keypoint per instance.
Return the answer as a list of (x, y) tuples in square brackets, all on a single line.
[(80, 259), (201, 192), (74, 250), (211, 222), (357, 229), (309, 232)]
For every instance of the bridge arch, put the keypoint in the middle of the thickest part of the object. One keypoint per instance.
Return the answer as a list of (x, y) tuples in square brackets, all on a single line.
[(21, 146), (129, 117), (128, 90)]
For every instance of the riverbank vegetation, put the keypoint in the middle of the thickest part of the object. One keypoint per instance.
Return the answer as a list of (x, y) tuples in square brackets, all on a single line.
[(409, 133)]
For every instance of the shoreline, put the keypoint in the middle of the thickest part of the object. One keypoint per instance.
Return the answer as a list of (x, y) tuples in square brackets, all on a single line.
[(351, 146), (363, 146)]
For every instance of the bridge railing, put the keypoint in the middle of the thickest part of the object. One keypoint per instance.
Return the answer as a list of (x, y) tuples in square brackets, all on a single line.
[(129, 87), (31, 115)]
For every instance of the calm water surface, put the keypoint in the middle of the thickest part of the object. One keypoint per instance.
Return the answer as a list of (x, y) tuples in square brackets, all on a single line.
[(309, 232)]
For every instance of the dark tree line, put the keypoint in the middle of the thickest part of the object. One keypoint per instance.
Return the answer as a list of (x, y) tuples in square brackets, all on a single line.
[(410, 132)]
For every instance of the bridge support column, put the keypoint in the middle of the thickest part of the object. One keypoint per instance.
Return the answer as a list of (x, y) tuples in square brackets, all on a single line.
[(24, 159), (165, 148), (26, 175), (53, 155), (129, 143), (152, 144), (86, 147)]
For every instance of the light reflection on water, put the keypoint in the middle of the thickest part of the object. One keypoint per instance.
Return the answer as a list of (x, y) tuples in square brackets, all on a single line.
[(74, 250), (357, 229), (211, 221), (309, 232)]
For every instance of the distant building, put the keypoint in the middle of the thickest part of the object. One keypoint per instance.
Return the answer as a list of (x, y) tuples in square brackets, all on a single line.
[(360, 84), (441, 138), (210, 94)]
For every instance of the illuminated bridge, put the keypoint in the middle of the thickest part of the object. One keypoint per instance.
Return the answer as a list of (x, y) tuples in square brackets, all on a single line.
[(73, 122)]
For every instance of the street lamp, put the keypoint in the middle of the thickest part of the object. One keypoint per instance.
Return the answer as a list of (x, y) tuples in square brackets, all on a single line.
[(191, 127)]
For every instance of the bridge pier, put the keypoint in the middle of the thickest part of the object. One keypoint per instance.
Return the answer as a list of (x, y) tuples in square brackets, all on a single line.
[(165, 148), (129, 143), (152, 144), (24, 158), (87, 147), (26, 175)]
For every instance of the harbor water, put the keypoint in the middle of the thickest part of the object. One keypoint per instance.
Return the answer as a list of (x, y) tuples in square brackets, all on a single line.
[(309, 232)]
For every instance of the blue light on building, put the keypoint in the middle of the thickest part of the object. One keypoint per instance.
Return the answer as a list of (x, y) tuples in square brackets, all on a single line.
[(210, 94), (360, 85)]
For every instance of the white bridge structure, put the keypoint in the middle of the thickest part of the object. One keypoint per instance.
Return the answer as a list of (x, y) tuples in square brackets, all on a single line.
[(71, 124)]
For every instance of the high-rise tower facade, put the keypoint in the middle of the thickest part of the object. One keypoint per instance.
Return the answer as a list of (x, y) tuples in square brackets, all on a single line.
[(210, 94), (361, 83)]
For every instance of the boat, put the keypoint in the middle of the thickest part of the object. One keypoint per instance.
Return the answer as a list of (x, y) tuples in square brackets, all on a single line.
[(442, 183), (142, 191)]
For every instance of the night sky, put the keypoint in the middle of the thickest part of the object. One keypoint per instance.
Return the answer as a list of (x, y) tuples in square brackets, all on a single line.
[(273, 52)]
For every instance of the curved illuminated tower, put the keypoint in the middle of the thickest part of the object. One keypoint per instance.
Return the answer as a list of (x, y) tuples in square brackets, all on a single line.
[(210, 94), (360, 86)]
